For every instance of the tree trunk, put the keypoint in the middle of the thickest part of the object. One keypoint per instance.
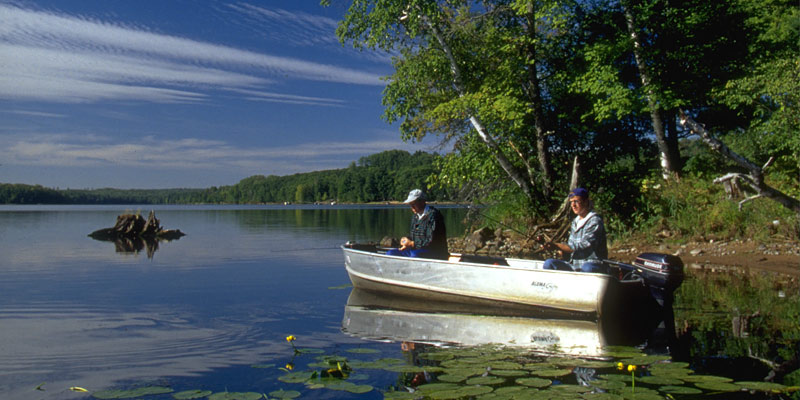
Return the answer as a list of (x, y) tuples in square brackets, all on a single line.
[(667, 167), (534, 92)]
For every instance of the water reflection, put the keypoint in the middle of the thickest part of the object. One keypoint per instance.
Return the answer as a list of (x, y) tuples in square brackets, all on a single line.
[(135, 244), (375, 316)]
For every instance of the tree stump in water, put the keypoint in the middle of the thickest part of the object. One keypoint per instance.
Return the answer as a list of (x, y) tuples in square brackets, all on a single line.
[(133, 226)]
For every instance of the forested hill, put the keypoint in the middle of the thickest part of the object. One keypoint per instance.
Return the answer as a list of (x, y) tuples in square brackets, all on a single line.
[(384, 176)]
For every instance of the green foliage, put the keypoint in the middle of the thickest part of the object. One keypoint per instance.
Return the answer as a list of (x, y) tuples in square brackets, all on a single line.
[(695, 209)]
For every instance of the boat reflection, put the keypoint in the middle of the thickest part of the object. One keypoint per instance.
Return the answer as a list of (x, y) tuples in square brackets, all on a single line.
[(376, 316)]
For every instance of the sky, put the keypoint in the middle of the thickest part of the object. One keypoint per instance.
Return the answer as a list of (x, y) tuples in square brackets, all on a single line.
[(183, 93)]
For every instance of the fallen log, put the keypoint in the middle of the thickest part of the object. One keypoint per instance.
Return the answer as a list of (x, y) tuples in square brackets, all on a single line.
[(755, 176)]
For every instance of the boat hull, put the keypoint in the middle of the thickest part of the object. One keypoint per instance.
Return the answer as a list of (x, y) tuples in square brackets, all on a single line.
[(522, 284)]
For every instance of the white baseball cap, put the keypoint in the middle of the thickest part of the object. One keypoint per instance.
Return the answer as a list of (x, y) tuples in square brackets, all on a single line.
[(414, 195)]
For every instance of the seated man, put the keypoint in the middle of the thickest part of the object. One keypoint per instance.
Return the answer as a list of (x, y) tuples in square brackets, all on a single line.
[(586, 245), (428, 238)]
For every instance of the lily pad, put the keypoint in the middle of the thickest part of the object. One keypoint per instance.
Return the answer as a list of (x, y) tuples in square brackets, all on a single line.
[(669, 365), (362, 350), (452, 378), (508, 372), (436, 356), (285, 394), (310, 351), (608, 384), (411, 369), (762, 386), (660, 380), (601, 396), (718, 386), (191, 394), (395, 395), (296, 377), (534, 382), (671, 389), (131, 393), (435, 387), (552, 373), (571, 388), (641, 394), (485, 380), (645, 359), (236, 396), (706, 379), (505, 365), (263, 366)]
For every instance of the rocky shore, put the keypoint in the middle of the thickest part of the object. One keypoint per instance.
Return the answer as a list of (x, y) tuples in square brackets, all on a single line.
[(780, 255)]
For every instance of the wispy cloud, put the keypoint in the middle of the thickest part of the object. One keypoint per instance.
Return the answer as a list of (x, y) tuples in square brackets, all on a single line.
[(65, 58), (184, 154)]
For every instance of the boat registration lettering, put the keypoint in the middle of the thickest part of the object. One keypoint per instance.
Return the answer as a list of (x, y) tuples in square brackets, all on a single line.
[(544, 286)]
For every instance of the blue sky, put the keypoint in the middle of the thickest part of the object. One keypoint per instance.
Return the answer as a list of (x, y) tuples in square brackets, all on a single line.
[(183, 93)]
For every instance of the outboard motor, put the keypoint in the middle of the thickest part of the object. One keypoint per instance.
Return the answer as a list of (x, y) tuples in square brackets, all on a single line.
[(662, 273)]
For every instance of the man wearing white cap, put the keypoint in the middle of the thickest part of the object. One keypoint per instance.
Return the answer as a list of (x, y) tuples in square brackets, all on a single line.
[(428, 238)]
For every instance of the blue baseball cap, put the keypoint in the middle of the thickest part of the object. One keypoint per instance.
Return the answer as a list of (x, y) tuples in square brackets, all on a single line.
[(581, 192)]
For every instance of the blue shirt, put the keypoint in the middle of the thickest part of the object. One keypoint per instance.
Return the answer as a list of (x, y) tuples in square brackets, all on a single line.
[(587, 242)]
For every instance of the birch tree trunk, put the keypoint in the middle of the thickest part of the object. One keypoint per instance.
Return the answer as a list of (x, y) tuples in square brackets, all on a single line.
[(667, 167), (501, 158)]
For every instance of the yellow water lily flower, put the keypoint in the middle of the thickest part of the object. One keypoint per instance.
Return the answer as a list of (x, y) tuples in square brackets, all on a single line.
[(290, 338), (631, 368), (290, 366), (620, 366), (77, 389)]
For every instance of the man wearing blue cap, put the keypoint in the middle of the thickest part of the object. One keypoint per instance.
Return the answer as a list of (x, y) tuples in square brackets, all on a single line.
[(586, 245), (428, 238)]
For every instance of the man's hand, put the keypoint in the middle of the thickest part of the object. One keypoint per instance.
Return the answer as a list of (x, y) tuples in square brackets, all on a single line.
[(406, 243)]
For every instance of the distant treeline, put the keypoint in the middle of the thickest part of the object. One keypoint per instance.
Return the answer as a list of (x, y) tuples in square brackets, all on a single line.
[(380, 177)]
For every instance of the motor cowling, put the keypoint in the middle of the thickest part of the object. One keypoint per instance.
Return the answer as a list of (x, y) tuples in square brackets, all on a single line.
[(663, 273)]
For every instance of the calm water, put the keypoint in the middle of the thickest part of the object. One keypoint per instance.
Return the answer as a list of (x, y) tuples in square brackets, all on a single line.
[(211, 311)]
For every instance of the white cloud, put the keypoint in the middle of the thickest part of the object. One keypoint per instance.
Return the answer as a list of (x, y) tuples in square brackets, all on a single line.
[(61, 58), (184, 154)]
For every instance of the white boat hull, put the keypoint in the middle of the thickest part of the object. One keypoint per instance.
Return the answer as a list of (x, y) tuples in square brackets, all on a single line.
[(523, 283)]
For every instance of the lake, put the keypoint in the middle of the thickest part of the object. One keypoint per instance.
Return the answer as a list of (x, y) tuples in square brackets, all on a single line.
[(208, 316)]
